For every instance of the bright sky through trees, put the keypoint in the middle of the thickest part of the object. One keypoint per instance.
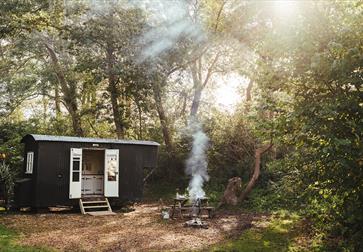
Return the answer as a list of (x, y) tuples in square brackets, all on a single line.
[(285, 8), (227, 92)]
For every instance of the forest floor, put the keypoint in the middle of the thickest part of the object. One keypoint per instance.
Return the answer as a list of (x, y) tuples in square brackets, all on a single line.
[(144, 230), (141, 229)]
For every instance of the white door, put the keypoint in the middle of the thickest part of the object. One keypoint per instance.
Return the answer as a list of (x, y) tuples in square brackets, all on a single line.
[(111, 172), (75, 187), (87, 184)]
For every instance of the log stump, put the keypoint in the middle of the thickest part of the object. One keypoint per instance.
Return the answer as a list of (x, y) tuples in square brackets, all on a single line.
[(232, 192)]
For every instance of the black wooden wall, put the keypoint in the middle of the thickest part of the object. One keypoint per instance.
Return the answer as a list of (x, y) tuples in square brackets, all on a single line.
[(50, 178)]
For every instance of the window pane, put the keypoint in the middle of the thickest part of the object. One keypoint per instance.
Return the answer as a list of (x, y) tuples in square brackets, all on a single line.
[(76, 165), (29, 162), (75, 177), (112, 168), (111, 178)]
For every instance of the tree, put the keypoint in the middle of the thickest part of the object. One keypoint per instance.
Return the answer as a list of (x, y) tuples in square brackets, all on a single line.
[(315, 89), (256, 172), (111, 37)]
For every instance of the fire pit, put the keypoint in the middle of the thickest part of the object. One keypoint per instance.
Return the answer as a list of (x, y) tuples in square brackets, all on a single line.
[(194, 208), (196, 223), (196, 211)]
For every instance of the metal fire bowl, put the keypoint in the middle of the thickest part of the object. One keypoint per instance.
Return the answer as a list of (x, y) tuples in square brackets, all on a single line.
[(196, 223)]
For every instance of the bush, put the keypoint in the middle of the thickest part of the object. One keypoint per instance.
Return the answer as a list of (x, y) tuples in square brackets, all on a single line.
[(7, 176)]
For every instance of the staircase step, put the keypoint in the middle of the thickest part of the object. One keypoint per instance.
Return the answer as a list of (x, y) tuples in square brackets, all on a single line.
[(100, 213), (94, 202), (95, 206), (98, 206)]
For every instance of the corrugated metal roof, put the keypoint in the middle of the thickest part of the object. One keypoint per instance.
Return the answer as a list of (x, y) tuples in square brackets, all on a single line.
[(49, 138)]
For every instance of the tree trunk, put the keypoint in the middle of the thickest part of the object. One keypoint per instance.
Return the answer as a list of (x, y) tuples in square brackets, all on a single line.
[(195, 69), (69, 93), (163, 118), (57, 101), (196, 102), (45, 108), (76, 122), (248, 97), (199, 83), (139, 110), (256, 172), (72, 107), (112, 88)]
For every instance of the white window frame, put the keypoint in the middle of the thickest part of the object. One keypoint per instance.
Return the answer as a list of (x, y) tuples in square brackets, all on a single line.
[(75, 187), (29, 162)]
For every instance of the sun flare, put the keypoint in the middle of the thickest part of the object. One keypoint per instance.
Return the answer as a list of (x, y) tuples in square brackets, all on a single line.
[(285, 8), (227, 93)]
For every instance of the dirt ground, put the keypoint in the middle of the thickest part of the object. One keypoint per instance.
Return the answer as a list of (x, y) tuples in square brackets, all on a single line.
[(139, 230)]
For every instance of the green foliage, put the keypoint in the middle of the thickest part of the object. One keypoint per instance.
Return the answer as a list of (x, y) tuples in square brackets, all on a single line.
[(11, 135), (321, 123), (19, 16), (232, 151), (157, 191), (7, 176)]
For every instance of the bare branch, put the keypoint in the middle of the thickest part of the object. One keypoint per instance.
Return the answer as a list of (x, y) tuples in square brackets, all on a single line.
[(210, 69)]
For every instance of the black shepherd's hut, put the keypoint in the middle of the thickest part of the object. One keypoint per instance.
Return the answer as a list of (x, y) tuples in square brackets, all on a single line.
[(60, 170)]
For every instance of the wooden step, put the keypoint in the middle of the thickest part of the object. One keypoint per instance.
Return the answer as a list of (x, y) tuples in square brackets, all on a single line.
[(95, 202), (92, 205), (101, 213), (97, 206)]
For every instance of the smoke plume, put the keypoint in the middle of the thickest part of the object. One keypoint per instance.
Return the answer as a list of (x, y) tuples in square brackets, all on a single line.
[(196, 165), (169, 21)]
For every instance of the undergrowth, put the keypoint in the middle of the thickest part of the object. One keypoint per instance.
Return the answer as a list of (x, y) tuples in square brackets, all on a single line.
[(282, 232)]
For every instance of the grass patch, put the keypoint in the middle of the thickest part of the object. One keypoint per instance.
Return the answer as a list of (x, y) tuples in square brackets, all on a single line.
[(8, 242), (277, 234)]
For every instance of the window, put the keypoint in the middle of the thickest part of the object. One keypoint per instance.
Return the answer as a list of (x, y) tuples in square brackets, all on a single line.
[(111, 167), (29, 162), (76, 171)]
